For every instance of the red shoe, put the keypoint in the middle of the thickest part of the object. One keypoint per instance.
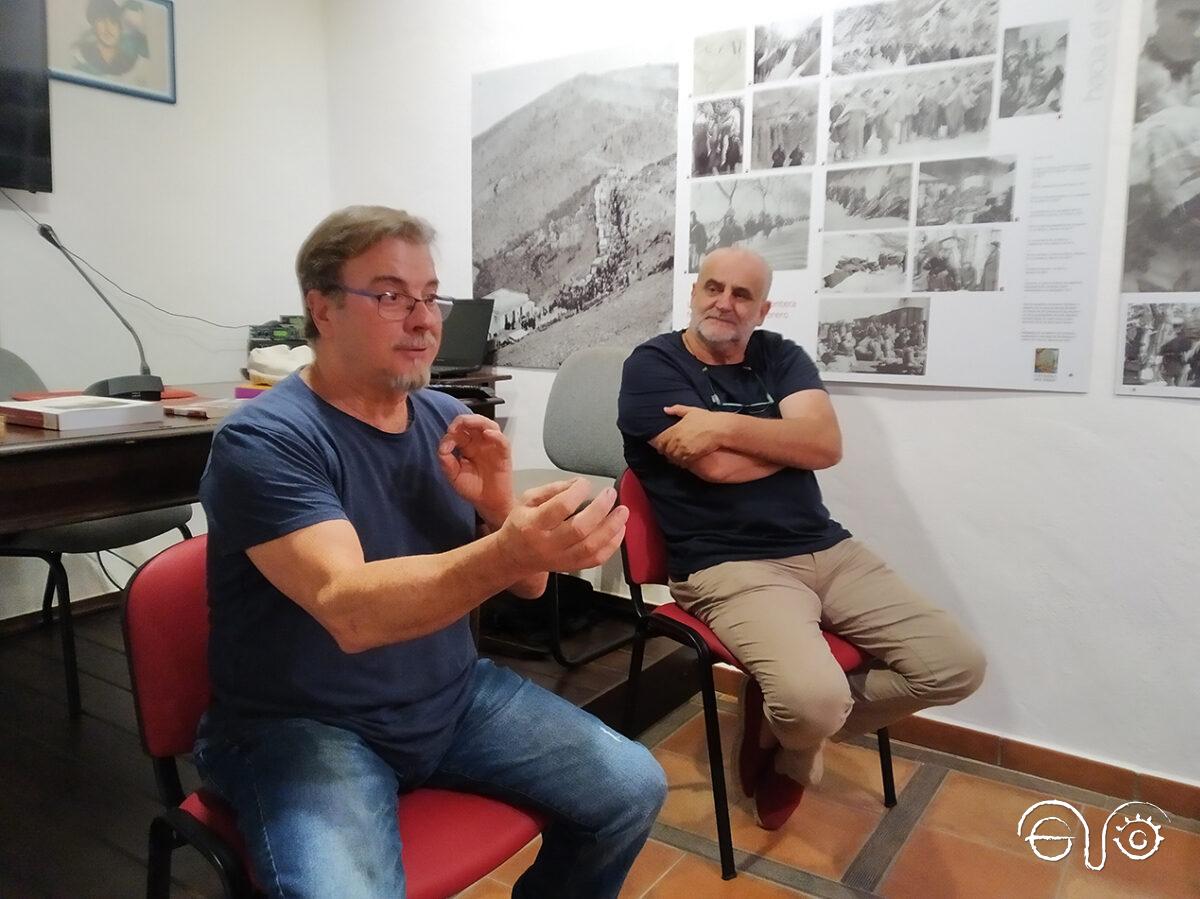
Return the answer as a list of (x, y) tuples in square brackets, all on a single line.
[(750, 759), (776, 798)]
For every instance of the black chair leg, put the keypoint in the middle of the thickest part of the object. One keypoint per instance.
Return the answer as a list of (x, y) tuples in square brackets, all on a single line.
[(885, 767), (187, 534), (48, 596), (556, 647), (67, 630), (716, 765), (636, 654), (158, 863)]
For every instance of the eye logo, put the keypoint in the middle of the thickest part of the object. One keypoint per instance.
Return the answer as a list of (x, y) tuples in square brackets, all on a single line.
[(1137, 837)]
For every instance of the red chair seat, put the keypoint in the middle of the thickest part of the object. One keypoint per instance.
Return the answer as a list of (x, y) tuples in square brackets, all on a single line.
[(450, 840), (848, 655)]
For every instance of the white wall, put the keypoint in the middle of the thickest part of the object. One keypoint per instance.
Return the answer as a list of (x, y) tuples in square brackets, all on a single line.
[(1062, 529), (199, 207)]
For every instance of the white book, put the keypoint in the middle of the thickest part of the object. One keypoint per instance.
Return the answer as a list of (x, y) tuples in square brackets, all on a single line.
[(71, 413)]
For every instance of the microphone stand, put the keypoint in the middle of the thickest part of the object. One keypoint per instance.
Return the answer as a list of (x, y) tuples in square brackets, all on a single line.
[(144, 386)]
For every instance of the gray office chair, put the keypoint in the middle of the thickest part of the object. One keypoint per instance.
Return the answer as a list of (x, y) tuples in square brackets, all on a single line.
[(579, 433), (52, 543)]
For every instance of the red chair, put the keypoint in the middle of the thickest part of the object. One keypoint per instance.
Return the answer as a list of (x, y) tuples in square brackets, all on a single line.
[(450, 839), (644, 553)]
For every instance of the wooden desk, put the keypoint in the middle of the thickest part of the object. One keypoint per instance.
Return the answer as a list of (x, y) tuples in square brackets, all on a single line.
[(51, 477)]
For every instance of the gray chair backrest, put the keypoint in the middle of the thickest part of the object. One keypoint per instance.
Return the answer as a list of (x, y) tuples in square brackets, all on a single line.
[(579, 431), (16, 375)]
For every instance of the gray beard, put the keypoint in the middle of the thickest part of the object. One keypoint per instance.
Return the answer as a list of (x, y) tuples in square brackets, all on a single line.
[(713, 341), (415, 381)]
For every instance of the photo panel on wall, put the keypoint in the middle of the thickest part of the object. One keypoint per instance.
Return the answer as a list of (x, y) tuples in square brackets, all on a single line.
[(1162, 347), (719, 63), (784, 51), (978, 190), (1162, 224), (945, 109), (951, 259), (768, 214), (783, 127), (865, 262), (873, 335), (718, 139), (1034, 69), (894, 35), (874, 197)]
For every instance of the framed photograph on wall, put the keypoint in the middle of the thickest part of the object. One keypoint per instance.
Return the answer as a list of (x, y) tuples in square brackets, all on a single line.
[(126, 46)]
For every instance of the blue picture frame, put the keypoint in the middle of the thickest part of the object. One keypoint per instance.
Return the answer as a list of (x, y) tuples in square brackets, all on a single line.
[(126, 46)]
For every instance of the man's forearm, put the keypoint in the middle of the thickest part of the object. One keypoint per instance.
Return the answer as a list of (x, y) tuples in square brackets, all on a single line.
[(726, 466), (392, 600), (787, 442)]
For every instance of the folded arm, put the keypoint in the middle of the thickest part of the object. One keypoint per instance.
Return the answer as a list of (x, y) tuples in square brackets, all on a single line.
[(724, 447)]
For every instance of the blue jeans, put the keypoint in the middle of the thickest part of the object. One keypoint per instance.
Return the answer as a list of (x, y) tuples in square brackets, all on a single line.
[(317, 805)]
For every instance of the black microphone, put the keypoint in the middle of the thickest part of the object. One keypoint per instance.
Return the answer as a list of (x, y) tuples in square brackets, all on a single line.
[(144, 386)]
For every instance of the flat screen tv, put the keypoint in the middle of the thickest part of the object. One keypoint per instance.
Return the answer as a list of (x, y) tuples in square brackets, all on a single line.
[(24, 96)]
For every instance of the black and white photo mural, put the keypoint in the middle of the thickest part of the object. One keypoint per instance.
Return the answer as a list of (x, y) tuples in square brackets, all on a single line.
[(908, 164), (1160, 337), (573, 202)]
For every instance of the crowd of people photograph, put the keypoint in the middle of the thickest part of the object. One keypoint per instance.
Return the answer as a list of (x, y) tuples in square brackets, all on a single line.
[(912, 113), (912, 32), (879, 336), (767, 214)]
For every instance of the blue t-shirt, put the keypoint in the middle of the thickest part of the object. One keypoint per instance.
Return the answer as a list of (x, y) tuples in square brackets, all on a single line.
[(289, 460), (705, 523)]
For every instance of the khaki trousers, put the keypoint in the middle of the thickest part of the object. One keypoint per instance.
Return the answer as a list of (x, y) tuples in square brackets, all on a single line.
[(770, 614)]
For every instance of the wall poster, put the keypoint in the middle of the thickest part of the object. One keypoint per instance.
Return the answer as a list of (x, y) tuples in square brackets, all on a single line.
[(1160, 289), (925, 177)]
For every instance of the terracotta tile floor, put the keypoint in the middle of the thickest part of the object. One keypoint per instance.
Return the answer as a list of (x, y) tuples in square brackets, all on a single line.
[(964, 843)]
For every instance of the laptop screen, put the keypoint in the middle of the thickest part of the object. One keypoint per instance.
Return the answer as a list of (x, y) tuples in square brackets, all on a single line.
[(465, 334)]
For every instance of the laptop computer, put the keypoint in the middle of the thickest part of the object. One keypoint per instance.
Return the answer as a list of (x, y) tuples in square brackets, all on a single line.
[(464, 338)]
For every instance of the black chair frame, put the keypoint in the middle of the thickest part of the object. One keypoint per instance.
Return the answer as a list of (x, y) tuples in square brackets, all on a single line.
[(58, 585), (649, 625)]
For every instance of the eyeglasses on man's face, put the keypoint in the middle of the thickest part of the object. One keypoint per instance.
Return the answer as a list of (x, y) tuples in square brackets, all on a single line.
[(764, 408), (396, 305)]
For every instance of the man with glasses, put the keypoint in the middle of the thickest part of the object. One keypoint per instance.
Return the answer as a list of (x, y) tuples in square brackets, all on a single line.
[(724, 425), (355, 520)]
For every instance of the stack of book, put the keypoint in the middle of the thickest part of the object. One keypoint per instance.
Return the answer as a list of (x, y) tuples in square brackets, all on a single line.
[(72, 413)]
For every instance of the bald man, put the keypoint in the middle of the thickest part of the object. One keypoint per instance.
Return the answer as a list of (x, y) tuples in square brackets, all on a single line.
[(725, 424)]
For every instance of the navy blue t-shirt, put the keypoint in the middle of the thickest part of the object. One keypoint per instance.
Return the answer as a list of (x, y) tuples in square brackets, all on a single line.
[(705, 523), (288, 460)]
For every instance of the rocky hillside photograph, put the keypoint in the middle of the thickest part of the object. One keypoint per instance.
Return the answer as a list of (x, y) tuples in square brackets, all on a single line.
[(573, 211)]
